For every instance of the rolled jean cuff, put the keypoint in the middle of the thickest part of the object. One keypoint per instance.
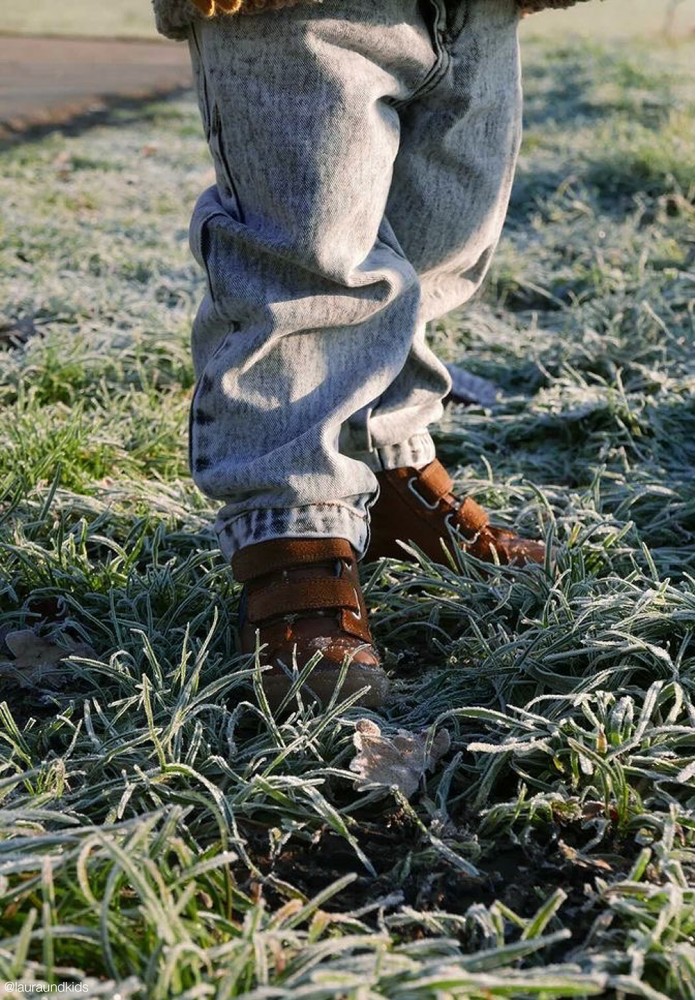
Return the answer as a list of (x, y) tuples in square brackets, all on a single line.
[(414, 452), (322, 520)]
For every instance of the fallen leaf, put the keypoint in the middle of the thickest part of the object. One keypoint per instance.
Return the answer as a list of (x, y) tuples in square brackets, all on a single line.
[(38, 662), (580, 859), (399, 761), (591, 809)]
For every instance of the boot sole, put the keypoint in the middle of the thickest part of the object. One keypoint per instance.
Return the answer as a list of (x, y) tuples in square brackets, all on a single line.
[(321, 685)]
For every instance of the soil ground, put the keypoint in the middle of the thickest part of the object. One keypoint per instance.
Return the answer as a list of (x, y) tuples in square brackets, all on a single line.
[(47, 82)]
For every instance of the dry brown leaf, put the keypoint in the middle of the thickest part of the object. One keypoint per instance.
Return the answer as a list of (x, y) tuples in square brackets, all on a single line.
[(37, 661), (592, 809), (582, 860), (399, 761)]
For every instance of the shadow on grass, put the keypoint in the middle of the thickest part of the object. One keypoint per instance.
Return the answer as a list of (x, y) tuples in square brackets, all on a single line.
[(114, 110)]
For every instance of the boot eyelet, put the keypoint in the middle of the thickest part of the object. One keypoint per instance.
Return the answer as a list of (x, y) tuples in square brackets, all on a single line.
[(419, 496)]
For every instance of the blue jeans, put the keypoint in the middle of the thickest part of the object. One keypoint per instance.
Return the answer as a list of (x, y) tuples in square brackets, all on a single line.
[(364, 152)]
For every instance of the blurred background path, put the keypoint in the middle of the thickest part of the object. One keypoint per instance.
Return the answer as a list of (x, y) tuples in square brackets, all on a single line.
[(46, 82), (64, 64)]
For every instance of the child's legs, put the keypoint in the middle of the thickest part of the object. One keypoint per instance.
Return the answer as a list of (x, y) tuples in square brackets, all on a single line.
[(457, 157), (450, 190), (312, 304)]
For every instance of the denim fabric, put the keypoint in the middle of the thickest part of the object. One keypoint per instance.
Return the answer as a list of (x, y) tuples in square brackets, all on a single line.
[(364, 152)]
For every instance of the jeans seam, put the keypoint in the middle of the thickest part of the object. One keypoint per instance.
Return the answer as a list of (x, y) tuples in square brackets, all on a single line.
[(442, 61), (218, 147), (205, 101), (457, 22)]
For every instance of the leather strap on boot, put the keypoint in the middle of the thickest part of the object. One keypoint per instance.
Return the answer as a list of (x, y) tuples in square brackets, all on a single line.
[(433, 486), (286, 553), (276, 589), (418, 506)]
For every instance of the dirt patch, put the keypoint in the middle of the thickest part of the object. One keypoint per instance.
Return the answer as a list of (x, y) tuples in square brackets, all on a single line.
[(408, 872)]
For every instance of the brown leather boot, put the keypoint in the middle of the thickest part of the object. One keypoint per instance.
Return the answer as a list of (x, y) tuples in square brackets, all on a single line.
[(418, 506), (303, 596)]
